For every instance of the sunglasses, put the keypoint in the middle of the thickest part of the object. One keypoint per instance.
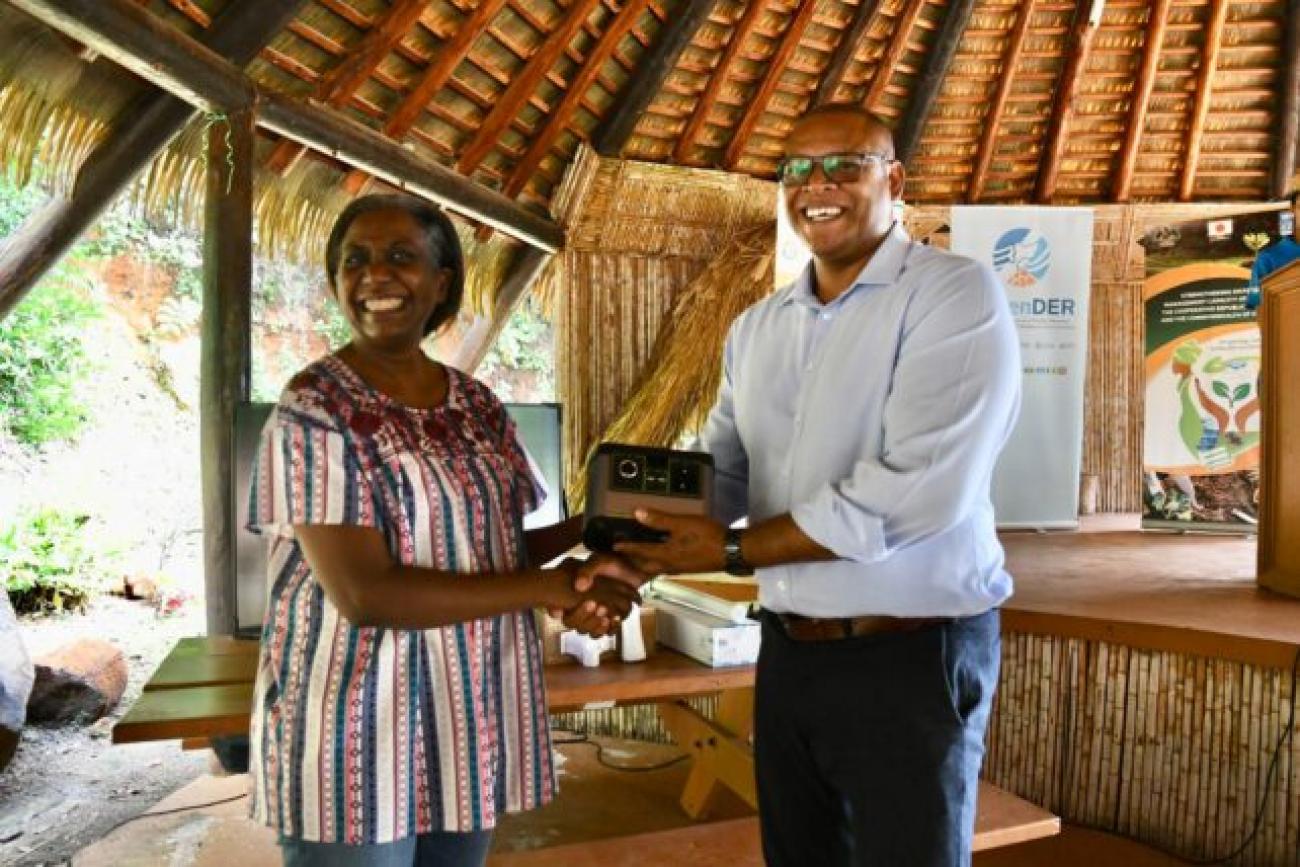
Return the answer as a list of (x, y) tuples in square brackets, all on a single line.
[(836, 168)]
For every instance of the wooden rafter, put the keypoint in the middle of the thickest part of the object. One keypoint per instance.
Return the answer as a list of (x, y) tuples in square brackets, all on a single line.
[(993, 118), (845, 52), (653, 70), (562, 113), (771, 78), (345, 79), (519, 281), (433, 79), (1288, 122), (168, 58), (1204, 88), (140, 131), (1141, 96), (925, 92), (1082, 32), (523, 85), (739, 35), (893, 52)]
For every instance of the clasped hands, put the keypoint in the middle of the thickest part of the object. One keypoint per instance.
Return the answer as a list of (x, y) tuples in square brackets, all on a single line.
[(603, 588)]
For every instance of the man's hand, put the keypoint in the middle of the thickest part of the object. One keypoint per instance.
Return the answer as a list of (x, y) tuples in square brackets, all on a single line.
[(591, 616), (694, 544)]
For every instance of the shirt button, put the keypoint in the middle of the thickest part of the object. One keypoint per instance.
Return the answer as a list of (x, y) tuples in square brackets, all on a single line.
[(826, 316), (780, 585)]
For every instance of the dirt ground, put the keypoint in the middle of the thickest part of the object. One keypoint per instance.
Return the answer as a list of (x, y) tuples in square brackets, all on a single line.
[(69, 786)]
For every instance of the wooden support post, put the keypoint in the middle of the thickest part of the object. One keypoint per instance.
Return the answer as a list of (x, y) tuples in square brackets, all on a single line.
[(993, 119), (224, 364), (833, 76), (1204, 89), (721, 753), (128, 35), (483, 332), (652, 70), (1087, 17), (713, 87), (1142, 89), (143, 129), (1287, 158), (908, 132), (771, 78)]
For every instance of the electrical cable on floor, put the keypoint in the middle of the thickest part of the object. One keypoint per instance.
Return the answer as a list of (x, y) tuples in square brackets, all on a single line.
[(184, 809), (635, 769)]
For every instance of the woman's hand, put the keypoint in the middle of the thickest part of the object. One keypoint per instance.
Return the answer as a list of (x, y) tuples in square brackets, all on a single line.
[(597, 593)]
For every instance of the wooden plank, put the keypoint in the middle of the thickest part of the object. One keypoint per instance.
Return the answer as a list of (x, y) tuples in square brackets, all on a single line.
[(181, 670), (1083, 30), (483, 332), (433, 79), (177, 63), (665, 674), (721, 758), (214, 645), (522, 86), (993, 115), (739, 34), (901, 29), (225, 363), (926, 91), (143, 129), (1001, 819), (850, 41), (559, 118), (345, 79), (1141, 99), (195, 712), (1204, 87), (1288, 118), (652, 71)]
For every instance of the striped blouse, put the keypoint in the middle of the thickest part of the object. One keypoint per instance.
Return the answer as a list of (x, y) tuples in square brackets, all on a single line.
[(368, 735)]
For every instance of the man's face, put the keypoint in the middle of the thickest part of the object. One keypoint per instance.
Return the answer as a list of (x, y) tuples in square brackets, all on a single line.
[(844, 221)]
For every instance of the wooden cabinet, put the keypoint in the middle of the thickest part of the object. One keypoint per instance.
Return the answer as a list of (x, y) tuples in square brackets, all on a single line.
[(1279, 532)]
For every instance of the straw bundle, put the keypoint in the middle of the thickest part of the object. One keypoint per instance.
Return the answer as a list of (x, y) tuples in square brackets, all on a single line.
[(678, 383)]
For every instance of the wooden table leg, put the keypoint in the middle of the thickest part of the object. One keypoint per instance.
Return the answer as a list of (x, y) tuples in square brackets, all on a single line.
[(721, 752)]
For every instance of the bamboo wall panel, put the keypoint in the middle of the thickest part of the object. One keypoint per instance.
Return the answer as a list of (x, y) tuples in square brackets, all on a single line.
[(1172, 750)]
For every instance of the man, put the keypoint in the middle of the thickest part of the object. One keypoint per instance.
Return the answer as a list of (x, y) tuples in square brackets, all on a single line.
[(1283, 252), (861, 412)]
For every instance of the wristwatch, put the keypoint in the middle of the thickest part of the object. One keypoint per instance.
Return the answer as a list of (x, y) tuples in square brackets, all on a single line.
[(734, 562)]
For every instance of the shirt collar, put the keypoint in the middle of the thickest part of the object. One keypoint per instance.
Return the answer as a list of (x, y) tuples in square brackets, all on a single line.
[(882, 269)]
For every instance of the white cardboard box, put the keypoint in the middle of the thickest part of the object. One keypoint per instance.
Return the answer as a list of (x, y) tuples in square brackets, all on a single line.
[(712, 640)]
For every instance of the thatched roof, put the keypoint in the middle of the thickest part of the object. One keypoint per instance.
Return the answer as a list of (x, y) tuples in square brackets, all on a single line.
[(505, 90)]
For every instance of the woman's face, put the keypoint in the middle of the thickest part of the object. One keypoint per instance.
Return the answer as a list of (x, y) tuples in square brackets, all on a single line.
[(387, 283)]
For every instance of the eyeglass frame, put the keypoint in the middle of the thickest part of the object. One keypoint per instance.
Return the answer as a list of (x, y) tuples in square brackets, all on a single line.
[(863, 157)]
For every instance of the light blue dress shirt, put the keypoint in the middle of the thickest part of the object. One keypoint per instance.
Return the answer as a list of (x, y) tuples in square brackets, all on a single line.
[(875, 421)]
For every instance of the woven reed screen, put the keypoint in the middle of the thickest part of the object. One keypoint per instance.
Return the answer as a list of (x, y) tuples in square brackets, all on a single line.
[(1171, 749)]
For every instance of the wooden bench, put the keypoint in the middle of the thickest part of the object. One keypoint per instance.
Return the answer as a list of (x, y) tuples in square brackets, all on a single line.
[(204, 689)]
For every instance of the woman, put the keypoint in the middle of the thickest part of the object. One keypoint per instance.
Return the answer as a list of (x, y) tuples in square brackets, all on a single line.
[(399, 705)]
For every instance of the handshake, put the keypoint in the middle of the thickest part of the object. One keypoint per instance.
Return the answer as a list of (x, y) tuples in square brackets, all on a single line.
[(594, 595)]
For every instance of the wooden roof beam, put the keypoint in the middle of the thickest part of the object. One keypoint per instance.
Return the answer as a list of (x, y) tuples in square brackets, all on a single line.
[(345, 79), (559, 118), (1204, 88), (1083, 29), (142, 129), (893, 52), (654, 68), (129, 36), (1141, 99), (528, 266), (744, 27), (435, 76), (775, 69), (930, 79), (993, 119), (845, 52), (1286, 156), (523, 85)]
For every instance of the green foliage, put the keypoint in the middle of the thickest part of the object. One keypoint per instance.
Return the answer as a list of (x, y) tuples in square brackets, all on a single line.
[(16, 204), (332, 325), (51, 561), (42, 356)]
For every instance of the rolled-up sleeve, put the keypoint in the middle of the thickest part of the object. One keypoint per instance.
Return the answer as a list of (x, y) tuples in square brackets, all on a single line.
[(951, 406), (721, 438)]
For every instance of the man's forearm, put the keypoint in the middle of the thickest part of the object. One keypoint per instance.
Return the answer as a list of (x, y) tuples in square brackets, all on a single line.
[(779, 540)]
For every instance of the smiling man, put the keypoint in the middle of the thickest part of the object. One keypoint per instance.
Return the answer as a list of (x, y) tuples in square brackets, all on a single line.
[(861, 412)]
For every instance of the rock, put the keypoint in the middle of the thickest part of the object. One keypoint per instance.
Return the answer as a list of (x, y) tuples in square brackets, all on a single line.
[(16, 675), (79, 682)]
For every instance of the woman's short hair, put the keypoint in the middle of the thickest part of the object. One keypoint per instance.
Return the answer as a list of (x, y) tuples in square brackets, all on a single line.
[(439, 233)]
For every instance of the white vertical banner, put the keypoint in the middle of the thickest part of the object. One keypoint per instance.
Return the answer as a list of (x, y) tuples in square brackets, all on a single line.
[(1043, 257)]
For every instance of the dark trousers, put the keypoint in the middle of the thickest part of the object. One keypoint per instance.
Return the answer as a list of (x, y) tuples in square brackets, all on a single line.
[(867, 750)]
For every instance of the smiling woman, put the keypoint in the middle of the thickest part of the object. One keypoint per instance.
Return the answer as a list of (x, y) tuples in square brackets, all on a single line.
[(400, 662)]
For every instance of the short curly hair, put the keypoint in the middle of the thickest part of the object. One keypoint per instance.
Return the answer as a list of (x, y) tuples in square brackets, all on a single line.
[(444, 246)]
